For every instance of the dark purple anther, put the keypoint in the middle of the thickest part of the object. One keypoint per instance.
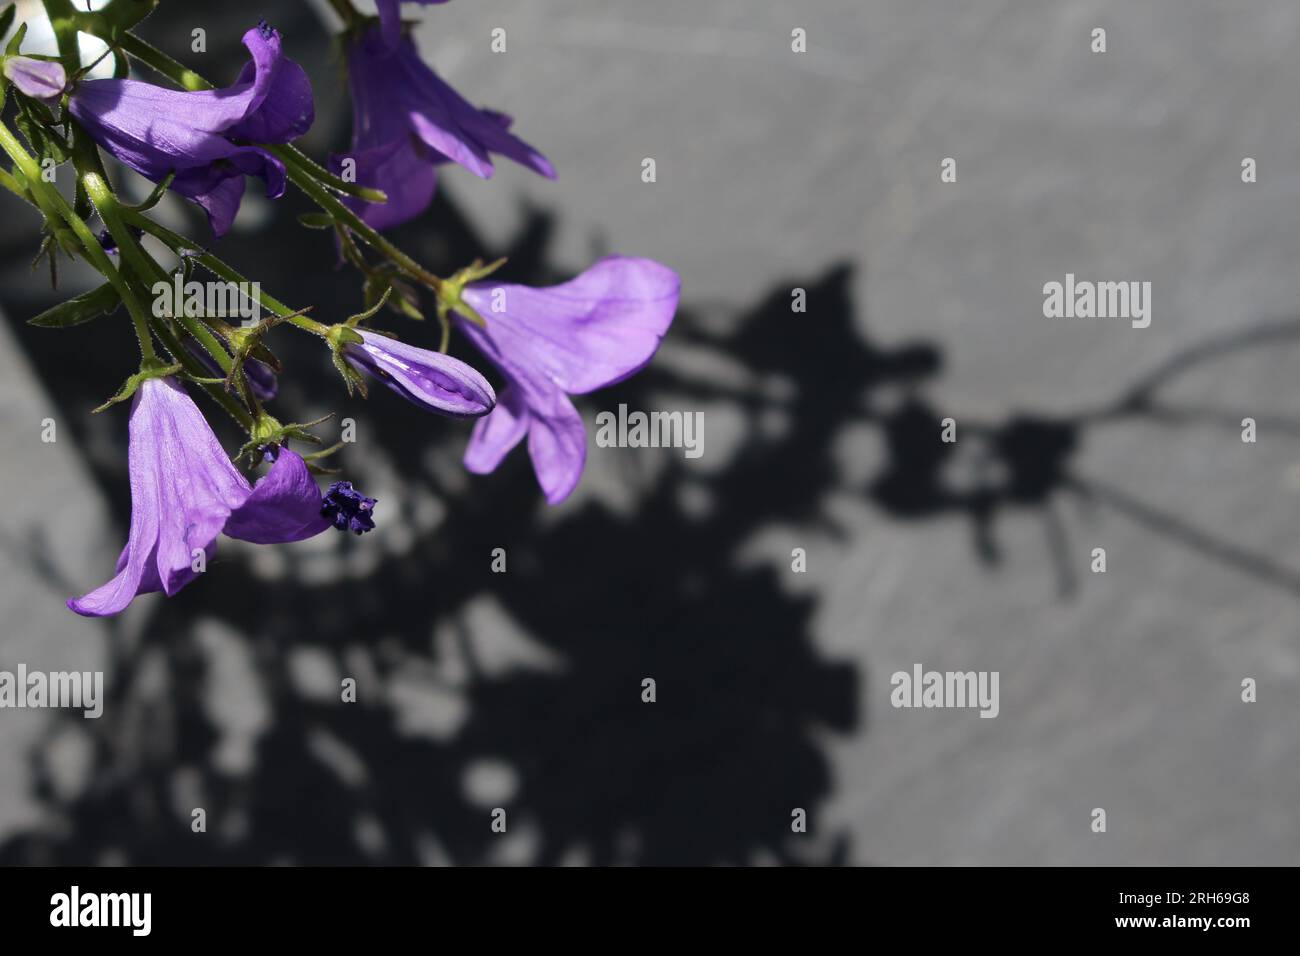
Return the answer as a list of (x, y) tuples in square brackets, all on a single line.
[(348, 508)]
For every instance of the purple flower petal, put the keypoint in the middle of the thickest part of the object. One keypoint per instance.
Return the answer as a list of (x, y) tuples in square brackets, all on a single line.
[(157, 131), (284, 108), (402, 168), (591, 332), (261, 378), (219, 197), (185, 492), (285, 505), (568, 339), (557, 444), (153, 130), (39, 79), (438, 382), (496, 433), (395, 97), (219, 187), (390, 18), (462, 132), (183, 488), (557, 439)]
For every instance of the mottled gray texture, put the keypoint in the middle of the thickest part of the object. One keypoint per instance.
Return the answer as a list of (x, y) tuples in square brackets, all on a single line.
[(772, 166), (1123, 165)]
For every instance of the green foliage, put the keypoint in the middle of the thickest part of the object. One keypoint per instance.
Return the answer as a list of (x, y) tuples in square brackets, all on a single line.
[(79, 309)]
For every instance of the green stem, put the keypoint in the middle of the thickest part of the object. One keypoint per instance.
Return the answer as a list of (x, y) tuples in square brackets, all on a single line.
[(55, 207), (302, 179), (323, 175), (147, 271), (63, 18), (11, 184), (66, 240), (92, 177), (217, 267), (158, 61)]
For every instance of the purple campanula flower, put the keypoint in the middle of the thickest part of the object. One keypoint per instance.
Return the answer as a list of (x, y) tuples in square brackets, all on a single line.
[(436, 381), (569, 339), (390, 18), (39, 79), (205, 137), (185, 492), (406, 120)]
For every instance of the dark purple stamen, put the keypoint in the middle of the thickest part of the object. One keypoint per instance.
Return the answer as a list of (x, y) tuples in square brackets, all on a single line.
[(348, 508), (265, 29)]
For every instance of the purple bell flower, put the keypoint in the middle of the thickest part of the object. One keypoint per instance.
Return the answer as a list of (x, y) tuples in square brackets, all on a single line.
[(390, 18), (433, 380), (406, 120), (39, 79), (185, 492), (205, 137), (569, 339)]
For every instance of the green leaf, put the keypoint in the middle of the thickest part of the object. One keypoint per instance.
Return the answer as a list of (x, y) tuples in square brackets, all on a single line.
[(157, 369), (351, 378), (81, 201), (374, 290), (6, 19), (371, 308), (16, 40), (82, 308), (316, 220), (31, 132), (156, 194), (46, 144), (406, 301), (121, 17)]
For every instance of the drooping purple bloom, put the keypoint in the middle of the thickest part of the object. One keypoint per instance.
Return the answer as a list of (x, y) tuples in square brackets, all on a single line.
[(569, 339), (261, 378), (436, 381), (204, 137), (185, 492), (390, 18), (39, 79), (406, 120)]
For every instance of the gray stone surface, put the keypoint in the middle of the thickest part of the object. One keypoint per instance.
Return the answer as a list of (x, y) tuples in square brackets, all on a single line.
[(773, 166), (1123, 165)]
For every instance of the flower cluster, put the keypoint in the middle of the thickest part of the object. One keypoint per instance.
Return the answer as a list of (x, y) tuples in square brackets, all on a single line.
[(201, 143)]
